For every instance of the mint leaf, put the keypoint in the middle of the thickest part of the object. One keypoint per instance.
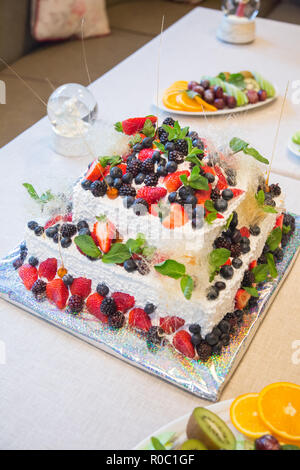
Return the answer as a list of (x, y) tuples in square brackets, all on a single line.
[(196, 181), (237, 79), (260, 197), (160, 146), (118, 127), (237, 144), (274, 238), (87, 245), (184, 180), (209, 205), (222, 76), (148, 129), (193, 159), (269, 209), (228, 222), (157, 444), (271, 264), (113, 160), (187, 286), (286, 229), (171, 131), (171, 268), (135, 246), (43, 199), (136, 139), (251, 290), (255, 154), (218, 257), (191, 94), (211, 217), (260, 272), (183, 132), (101, 218), (117, 254)]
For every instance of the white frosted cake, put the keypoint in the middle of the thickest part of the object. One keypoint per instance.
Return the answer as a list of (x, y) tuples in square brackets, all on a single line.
[(169, 237)]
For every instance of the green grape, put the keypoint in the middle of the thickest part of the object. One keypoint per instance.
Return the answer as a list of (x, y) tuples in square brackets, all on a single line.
[(264, 84)]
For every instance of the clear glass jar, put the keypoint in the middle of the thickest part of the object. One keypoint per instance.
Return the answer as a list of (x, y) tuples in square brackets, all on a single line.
[(241, 8)]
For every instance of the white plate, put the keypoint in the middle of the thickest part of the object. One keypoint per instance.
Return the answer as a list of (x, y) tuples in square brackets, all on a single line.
[(294, 148), (178, 427), (238, 109)]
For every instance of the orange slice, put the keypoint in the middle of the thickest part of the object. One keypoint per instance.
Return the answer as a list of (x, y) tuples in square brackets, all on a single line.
[(169, 100), (245, 417), (206, 106), (279, 409), (179, 85), (187, 103)]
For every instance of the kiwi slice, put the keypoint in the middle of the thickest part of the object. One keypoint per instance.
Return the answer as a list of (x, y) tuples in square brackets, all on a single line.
[(193, 444), (208, 428)]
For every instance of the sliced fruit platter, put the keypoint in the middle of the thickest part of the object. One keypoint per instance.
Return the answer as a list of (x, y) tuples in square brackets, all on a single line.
[(268, 420), (221, 94)]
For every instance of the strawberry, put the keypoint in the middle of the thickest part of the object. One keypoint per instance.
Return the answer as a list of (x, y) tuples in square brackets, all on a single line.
[(209, 169), (222, 183), (253, 264), (133, 125), (81, 286), (95, 172), (244, 232), (139, 319), (228, 262), (48, 268), (123, 301), (171, 324), (241, 299), (182, 342), (52, 221), (93, 304), (29, 275), (202, 195), (172, 181), (279, 221), (237, 192), (176, 218), (150, 194), (57, 292), (145, 153), (123, 167), (104, 233), (68, 217)]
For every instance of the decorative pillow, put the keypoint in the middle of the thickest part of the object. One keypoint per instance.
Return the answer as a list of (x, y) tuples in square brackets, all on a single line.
[(54, 20)]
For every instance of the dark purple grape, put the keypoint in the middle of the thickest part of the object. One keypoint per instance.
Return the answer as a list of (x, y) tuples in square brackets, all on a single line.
[(262, 95), (199, 89), (192, 84), (252, 96), (205, 84), (267, 442), (219, 103), (231, 101), (209, 96), (218, 91)]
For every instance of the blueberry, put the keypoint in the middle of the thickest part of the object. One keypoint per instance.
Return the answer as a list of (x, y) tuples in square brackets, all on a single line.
[(140, 178), (51, 231), (162, 171), (185, 191), (254, 230), (225, 339), (210, 177), (65, 242), (127, 178), (211, 339), (220, 205), (226, 272), (198, 212), (39, 230), (170, 146), (149, 308), (216, 349), (245, 240), (227, 194), (86, 184), (32, 225), (102, 289), (231, 180), (33, 261), (220, 285), (196, 339), (245, 248), (128, 201), (17, 263), (130, 265), (237, 263), (82, 224), (109, 180), (236, 236), (224, 326), (137, 147), (212, 294), (156, 156), (115, 172), (278, 254), (191, 200), (84, 231), (140, 207), (147, 142), (172, 197), (195, 328), (68, 279), (117, 183), (56, 237), (171, 167)]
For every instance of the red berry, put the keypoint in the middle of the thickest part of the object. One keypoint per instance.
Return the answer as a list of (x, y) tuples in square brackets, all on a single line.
[(151, 195), (123, 301), (237, 192), (48, 268), (172, 182), (222, 183), (29, 275), (171, 324), (139, 319), (57, 293), (81, 286), (145, 154), (104, 233), (52, 221), (132, 125), (95, 171), (182, 342), (93, 304), (245, 232), (241, 299)]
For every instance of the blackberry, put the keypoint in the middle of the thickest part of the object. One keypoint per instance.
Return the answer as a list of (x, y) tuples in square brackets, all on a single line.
[(75, 303), (169, 121), (275, 190), (155, 335), (134, 167), (235, 250), (39, 289), (163, 135), (278, 254), (98, 188), (108, 306), (225, 339), (102, 289), (284, 239), (224, 326), (151, 180), (182, 146), (176, 156), (215, 194), (142, 266), (127, 190), (116, 320), (222, 242), (248, 279), (262, 259), (140, 206), (33, 261), (68, 230), (270, 202), (147, 166), (253, 301), (216, 349), (232, 320), (204, 351), (289, 221)]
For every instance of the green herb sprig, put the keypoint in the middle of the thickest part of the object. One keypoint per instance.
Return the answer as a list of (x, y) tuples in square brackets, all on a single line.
[(217, 258), (238, 145), (175, 270), (260, 198)]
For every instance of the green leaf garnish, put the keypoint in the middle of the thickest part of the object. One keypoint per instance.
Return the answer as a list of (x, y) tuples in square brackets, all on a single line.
[(118, 127), (260, 198), (87, 245), (135, 246), (237, 79), (112, 161), (195, 181), (289, 447), (217, 258), (286, 229), (157, 444), (271, 265), (274, 238), (255, 154), (238, 145), (187, 286), (175, 132), (228, 222), (148, 129), (160, 146), (171, 268), (117, 254), (212, 213), (260, 272), (191, 93), (251, 290), (136, 139), (43, 198)]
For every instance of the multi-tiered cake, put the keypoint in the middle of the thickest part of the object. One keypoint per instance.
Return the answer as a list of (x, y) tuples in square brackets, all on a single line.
[(169, 237)]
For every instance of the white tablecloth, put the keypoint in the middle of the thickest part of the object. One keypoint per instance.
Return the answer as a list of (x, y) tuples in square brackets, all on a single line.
[(55, 390)]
